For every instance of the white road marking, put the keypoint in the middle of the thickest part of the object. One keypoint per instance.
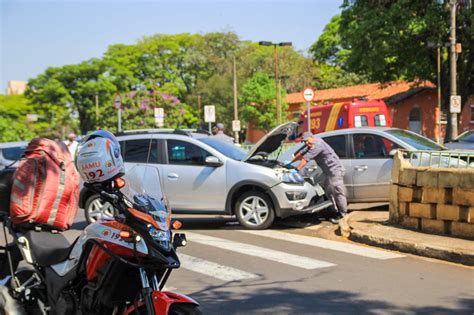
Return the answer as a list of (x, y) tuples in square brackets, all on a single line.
[(327, 244), (211, 269), (256, 251)]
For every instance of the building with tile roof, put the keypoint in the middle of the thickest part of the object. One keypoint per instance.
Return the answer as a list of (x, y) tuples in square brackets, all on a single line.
[(412, 105)]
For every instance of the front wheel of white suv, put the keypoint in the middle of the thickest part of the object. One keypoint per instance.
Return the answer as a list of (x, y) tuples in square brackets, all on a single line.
[(254, 210)]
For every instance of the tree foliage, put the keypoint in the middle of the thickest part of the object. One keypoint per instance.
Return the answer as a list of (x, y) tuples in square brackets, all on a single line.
[(258, 100), (184, 66), (13, 123), (388, 40)]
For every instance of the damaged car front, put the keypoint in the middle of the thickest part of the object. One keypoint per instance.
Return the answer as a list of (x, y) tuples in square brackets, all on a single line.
[(292, 192)]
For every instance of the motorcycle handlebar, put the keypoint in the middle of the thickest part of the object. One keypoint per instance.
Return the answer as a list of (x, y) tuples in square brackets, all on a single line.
[(108, 196)]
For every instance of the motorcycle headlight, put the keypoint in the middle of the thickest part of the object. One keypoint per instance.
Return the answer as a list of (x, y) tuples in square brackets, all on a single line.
[(292, 178), (163, 238)]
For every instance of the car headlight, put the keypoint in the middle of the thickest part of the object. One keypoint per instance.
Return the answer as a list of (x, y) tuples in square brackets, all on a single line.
[(295, 195), (292, 178)]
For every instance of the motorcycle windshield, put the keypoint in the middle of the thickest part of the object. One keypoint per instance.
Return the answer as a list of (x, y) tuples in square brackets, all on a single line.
[(143, 190)]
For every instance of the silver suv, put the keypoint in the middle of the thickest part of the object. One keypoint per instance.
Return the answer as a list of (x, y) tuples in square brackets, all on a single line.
[(203, 175)]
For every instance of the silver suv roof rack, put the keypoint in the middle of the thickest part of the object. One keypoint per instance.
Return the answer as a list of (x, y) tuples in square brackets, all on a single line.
[(184, 132)]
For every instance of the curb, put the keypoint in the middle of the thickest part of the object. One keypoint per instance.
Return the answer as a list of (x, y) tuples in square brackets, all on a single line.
[(420, 249), (416, 249)]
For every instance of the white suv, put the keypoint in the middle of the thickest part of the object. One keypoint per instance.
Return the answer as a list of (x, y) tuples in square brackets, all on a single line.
[(203, 175)]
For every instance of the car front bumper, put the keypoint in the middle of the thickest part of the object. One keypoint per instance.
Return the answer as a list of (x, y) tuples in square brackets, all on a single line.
[(313, 202)]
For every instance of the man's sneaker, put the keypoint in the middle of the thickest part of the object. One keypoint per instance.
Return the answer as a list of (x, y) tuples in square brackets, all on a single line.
[(336, 219)]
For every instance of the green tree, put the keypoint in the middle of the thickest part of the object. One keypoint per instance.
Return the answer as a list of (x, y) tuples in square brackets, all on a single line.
[(13, 123), (329, 47), (64, 92), (258, 101), (388, 40)]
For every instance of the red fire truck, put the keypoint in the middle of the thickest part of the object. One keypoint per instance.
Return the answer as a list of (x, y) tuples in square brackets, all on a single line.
[(358, 113)]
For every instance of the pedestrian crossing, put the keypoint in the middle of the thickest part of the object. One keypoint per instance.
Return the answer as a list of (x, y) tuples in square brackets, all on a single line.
[(227, 273), (326, 244), (260, 252), (212, 269)]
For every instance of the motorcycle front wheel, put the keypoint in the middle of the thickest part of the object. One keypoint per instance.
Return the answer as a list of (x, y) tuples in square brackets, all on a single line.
[(175, 309), (184, 309)]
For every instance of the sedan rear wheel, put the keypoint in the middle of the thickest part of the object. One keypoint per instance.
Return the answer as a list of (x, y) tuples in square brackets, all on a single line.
[(254, 210), (95, 209)]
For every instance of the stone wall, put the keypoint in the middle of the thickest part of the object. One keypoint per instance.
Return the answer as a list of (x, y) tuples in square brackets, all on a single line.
[(432, 200)]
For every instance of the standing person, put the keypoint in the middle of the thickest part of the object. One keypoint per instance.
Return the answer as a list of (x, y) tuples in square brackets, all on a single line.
[(221, 135), (319, 151), (71, 144)]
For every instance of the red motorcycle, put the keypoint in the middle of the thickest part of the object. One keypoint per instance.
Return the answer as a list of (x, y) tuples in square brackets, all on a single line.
[(118, 266)]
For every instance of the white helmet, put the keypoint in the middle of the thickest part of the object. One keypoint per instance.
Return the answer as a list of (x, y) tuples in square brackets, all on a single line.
[(98, 157)]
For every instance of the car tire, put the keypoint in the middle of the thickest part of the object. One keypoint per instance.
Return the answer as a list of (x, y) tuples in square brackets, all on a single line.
[(254, 210), (94, 210)]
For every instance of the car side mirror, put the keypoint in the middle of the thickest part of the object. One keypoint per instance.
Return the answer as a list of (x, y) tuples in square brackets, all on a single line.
[(213, 161)]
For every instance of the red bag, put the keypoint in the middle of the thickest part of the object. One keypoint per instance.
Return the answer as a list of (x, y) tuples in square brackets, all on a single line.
[(45, 187)]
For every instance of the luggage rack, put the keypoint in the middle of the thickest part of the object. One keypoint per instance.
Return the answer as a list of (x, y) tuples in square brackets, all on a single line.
[(177, 131)]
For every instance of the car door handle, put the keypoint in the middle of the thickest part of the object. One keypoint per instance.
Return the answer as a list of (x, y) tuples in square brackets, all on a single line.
[(361, 168), (173, 176)]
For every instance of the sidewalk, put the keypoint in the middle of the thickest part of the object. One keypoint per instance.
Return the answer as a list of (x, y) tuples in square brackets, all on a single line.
[(372, 228)]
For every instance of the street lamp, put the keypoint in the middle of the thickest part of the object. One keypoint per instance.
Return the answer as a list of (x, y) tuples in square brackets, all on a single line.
[(277, 80)]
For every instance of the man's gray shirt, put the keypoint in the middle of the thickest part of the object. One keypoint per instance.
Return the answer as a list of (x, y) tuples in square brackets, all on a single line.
[(325, 157)]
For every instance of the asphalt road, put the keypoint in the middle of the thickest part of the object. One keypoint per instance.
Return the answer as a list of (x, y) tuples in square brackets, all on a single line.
[(285, 271)]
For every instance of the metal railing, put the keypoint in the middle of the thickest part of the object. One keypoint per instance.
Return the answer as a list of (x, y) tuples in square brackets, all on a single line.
[(449, 159)]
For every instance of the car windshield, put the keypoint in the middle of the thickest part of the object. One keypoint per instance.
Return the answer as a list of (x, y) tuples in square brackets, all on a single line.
[(414, 140), (228, 149), (467, 137), (13, 153)]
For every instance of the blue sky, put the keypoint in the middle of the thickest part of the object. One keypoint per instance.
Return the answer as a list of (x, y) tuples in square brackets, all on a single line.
[(35, 35)]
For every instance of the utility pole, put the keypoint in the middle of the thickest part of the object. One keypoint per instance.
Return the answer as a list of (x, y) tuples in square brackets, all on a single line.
[(199, 110), (278, 103), (97, 111), (236, 112), (438, 68), (453, 59), (275, 57)]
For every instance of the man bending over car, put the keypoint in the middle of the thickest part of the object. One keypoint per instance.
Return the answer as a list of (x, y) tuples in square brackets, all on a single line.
[(325, 157)]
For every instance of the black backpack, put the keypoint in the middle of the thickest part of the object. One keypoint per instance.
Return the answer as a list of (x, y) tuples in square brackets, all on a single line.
[(6, 183)]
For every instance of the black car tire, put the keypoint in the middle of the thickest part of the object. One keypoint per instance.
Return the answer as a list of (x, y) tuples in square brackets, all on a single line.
[(254, 210)]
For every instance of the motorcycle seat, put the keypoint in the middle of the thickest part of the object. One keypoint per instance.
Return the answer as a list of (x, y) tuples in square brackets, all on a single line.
[(48, 248)]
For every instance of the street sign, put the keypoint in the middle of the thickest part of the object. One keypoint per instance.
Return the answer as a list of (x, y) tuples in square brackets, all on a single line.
[(159, 117), (209, 113), (117, 101), (236, 125), (308, 94), (455, 104)]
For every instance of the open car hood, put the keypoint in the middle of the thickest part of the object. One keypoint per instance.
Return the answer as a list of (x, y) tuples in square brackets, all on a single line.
[(272, 140)]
